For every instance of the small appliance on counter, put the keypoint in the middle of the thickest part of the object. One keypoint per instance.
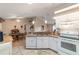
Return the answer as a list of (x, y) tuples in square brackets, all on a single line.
[(1, 36)]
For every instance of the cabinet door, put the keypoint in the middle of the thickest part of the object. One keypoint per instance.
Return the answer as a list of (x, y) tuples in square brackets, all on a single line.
[(31, 42), (42, 42), (53, 43), (39, 42), (45, 42)]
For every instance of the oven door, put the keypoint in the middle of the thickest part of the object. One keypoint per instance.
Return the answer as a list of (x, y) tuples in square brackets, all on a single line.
[(69, 46)]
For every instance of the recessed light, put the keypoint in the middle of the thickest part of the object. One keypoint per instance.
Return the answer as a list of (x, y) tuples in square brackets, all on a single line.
[(45, 21), (33, 22), (18, 20)]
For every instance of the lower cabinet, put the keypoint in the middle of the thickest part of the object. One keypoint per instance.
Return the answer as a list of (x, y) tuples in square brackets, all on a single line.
[(39, 42), (42, 42), (53, 43), (30, 42), (45, 42)]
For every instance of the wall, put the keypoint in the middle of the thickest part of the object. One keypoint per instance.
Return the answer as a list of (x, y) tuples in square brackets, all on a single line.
[(69, 22), (8, 25), (0, 26)]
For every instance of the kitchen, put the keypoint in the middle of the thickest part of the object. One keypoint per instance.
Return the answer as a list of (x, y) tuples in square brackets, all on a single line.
[(39, 29)]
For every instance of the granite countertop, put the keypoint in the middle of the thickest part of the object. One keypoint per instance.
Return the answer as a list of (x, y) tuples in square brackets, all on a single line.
[(6, 39), (42, 36)]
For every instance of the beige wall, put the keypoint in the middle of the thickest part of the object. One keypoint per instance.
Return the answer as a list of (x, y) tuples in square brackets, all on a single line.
[(0, 26), (9, 25), (68, 22)]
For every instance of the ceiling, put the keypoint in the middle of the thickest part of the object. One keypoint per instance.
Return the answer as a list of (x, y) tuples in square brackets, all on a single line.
[(26, 10)]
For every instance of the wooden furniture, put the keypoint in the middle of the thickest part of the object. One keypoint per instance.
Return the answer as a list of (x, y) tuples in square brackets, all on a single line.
[(15, 34)]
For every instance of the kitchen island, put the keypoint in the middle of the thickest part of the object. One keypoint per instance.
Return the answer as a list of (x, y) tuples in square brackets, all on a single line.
[(6, 45), (42, 42)]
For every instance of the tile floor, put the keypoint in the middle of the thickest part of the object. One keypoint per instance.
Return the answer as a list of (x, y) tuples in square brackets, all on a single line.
[(19, 49)]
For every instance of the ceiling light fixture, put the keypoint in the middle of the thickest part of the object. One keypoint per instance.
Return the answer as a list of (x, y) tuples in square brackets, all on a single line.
[(45, 21), (67, 8), (18, 20), (33, 22)]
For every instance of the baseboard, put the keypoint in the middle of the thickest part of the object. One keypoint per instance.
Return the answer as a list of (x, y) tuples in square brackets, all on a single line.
[(53, 50), (42, 49), (37, 48)]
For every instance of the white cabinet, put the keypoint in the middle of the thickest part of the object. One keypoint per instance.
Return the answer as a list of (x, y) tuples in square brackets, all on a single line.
[(42, 42), (53, 43), (39, 42), (30, 42), (45, 42)]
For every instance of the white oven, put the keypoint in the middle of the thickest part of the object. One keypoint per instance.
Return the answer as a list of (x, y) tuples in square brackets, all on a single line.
[(69, 44)]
